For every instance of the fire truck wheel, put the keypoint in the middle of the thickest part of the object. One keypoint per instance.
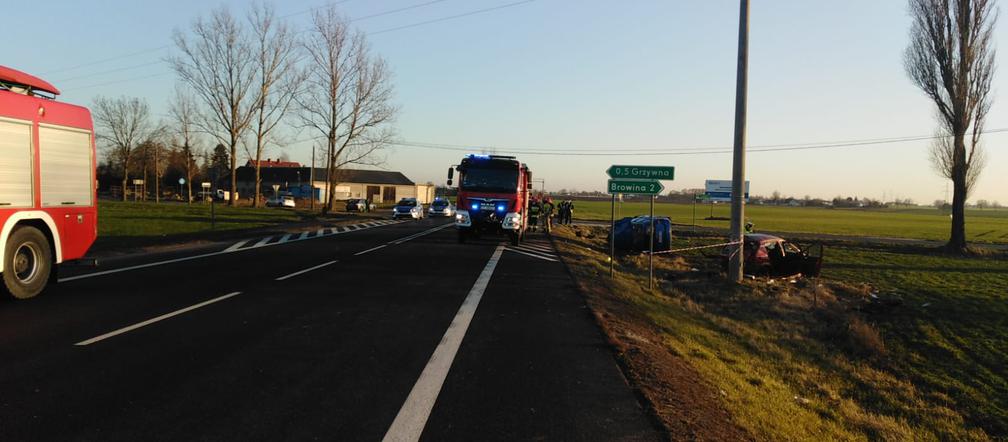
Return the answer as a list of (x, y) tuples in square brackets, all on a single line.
[(27, 262)]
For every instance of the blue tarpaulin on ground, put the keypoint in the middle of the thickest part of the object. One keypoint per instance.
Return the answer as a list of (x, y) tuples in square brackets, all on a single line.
[(631, 234)]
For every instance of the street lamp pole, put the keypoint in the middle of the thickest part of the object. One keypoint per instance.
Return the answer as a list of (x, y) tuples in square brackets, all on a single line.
[(738, 164)]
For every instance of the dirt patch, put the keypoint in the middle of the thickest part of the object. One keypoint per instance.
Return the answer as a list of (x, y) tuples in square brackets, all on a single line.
[(688, 407)]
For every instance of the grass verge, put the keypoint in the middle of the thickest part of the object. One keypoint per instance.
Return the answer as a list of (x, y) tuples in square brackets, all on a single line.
[(815, 360)]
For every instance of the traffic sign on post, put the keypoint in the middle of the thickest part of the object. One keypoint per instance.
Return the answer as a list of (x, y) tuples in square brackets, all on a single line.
[(642, 172), (637, 187)]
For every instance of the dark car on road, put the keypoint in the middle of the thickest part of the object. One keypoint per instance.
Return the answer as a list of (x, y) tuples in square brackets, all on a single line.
[(769, 255)]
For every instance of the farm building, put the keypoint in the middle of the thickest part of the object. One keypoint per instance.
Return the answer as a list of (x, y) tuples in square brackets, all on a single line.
[(379, 186)]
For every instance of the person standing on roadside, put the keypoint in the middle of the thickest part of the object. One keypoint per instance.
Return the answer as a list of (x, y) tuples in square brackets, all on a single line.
[(547, 214), (570, 212), (535, 209)]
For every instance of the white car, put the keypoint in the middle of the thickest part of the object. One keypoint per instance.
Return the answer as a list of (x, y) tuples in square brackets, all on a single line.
[(441, 208), (281, 201), (408, 207)]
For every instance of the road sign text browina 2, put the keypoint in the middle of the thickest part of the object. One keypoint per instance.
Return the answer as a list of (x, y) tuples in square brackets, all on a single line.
[(639, 187)]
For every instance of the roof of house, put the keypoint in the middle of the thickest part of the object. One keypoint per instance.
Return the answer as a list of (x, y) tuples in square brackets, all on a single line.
[(273, 163), (295, 174)]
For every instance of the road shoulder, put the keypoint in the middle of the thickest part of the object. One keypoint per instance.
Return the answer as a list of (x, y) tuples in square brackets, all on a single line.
[(687, 406)]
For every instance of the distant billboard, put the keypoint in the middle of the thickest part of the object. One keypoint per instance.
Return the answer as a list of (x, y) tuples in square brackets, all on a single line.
[(721, 190)]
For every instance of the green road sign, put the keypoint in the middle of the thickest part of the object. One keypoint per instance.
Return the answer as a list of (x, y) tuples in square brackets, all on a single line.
[(642, 172), (638, 187)]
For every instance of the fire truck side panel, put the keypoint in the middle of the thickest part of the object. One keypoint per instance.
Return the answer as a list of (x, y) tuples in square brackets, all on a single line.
[(62, 182)]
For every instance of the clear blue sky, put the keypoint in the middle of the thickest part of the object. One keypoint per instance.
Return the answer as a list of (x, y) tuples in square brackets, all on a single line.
[(587, 74)]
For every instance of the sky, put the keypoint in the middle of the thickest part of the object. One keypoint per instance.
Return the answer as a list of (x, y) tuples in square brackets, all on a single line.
[(585, 75)]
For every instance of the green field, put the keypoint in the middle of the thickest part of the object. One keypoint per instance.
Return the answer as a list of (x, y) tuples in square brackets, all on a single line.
[(990, 226), (790, 365), (125, 219)]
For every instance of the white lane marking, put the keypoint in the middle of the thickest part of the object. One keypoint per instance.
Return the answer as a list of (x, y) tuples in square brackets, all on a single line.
[(285, 237), (153, 320), (237, 245), (262, 242), (302, 236), (319, 233), (417, 235), (371, 250), (231, 249), (534, 247), (306, 270), (412, 417), (532, 254)]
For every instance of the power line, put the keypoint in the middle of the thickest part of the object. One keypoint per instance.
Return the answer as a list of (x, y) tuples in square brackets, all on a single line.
[(406, 8), (685, 151), (451, 17), (110, 71), (105, 60), (315, 8), (124, 81)]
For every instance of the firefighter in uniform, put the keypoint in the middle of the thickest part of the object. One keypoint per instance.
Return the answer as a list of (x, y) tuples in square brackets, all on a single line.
[(547, 214), (534, 212)]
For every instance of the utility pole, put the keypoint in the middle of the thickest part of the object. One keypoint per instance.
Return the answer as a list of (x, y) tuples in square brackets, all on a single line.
[(311, 180), (738, 164)]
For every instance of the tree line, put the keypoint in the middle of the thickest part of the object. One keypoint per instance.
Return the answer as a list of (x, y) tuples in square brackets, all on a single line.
[(250, 84)]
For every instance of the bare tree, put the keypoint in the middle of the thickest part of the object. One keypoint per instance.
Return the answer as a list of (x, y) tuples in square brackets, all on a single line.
[(123, 123), (217, 61), (951, 58), (277, 77), (183, 112), (347, 98)]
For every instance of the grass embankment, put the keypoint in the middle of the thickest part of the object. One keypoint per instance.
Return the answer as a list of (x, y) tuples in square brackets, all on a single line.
[(818, 361), (987, 225)]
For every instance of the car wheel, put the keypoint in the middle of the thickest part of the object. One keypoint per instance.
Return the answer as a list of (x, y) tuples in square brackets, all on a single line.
[(27, 262)]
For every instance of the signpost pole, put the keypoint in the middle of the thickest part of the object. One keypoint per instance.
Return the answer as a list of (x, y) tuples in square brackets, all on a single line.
[(612, 239), (738, 163), (650, 280), (694, 213)]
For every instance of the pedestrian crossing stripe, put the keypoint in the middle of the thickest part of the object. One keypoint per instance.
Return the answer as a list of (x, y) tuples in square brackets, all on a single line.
[(539, 250), (253, 243)]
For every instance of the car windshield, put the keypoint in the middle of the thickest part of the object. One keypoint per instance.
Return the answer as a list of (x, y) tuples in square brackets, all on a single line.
[(439, 204), (490, 180), (406, 203)]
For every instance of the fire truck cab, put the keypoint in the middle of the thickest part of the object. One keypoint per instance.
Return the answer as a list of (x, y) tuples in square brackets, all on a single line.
[(493, 196), (48, 212)]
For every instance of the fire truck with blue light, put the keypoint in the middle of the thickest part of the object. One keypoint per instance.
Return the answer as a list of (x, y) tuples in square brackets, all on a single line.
[(493, 196), (47, 182)]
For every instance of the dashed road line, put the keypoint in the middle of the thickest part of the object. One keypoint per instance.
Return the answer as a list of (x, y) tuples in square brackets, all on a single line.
[(301, 272), (153, 320), (412, 417), (371, 250)]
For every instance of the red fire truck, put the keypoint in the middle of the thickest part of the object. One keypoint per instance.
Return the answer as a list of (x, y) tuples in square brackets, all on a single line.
[(47, 182), (493, 196)]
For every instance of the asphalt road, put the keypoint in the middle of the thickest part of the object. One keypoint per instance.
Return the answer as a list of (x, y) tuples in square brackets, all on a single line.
[(388, 331)]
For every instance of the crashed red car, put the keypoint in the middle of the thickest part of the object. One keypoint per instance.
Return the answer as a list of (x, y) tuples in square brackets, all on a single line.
[(768, 255)]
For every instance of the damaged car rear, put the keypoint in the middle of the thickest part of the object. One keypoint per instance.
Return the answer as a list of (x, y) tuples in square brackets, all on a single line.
[(773, 256)]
